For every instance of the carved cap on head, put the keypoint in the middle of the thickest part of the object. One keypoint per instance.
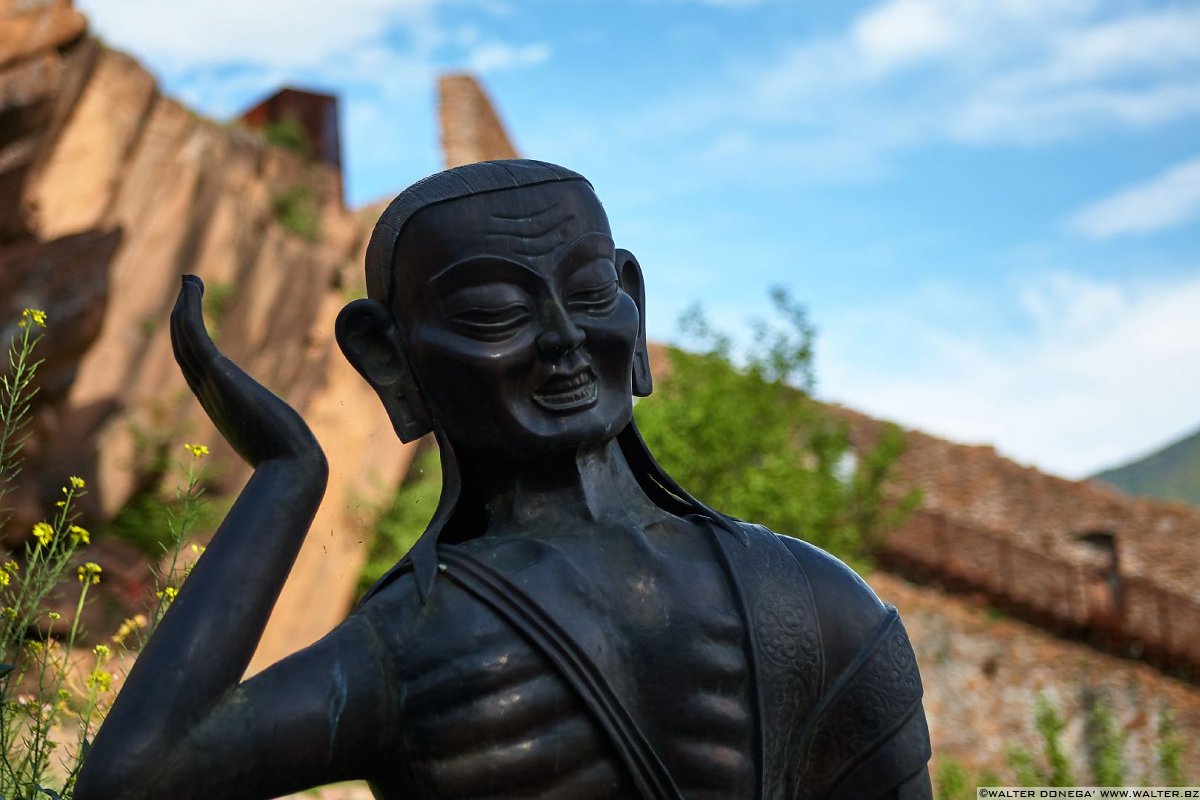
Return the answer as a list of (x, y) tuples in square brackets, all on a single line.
[(452, 184)]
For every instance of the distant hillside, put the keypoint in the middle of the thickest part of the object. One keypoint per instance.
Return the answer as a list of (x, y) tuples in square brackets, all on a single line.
[(1172, 473)]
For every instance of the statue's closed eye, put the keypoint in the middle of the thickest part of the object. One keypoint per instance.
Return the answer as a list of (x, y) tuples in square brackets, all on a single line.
[(491, 323), (595, 299), (592, 288)]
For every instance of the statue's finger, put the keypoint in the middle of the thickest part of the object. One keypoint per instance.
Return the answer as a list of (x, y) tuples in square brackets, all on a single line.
[(191, 317), (187, 307), (184, 347), (187, 303), (183, 354)]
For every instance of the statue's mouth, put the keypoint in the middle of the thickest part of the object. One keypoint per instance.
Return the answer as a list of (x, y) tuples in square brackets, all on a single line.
[(568, 392)]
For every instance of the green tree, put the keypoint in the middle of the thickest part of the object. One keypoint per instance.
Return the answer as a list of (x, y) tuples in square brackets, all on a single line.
[(750, 441)]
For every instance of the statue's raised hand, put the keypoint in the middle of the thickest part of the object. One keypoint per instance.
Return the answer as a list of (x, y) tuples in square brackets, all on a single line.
[(256, 423)]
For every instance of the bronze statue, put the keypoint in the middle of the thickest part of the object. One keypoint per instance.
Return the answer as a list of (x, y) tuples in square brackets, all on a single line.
[(572, 624)]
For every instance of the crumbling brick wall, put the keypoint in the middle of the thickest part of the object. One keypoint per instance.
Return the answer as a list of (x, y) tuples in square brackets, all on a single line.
[(1017, 534)]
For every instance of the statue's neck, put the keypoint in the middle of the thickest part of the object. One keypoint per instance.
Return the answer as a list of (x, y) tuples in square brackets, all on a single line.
[(561, 491)]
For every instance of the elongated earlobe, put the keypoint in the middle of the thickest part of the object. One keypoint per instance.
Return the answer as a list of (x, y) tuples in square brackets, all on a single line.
[(629, 272), (367, 334)]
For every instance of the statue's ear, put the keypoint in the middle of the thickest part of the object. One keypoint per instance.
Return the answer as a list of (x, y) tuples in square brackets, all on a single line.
[(629, 273), (367, 334)]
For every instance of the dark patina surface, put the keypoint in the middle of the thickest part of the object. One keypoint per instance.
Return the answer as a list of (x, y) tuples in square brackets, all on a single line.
[(572, 624)]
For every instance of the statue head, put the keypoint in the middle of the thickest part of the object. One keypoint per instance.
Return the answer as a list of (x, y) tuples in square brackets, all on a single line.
[(500, 313), (501, 317)]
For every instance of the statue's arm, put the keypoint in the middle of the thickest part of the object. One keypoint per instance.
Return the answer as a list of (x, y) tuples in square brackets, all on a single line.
[(185, 682), (314, 718)]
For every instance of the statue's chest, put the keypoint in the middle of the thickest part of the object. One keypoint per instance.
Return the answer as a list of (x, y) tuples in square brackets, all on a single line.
[(489, 714)]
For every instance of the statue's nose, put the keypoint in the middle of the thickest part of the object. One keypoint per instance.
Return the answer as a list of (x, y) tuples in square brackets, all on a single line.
[(560, 335)]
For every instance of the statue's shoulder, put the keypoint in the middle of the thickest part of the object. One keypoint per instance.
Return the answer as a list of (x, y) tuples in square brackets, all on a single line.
[(844, 601), (848, 612), (872, 686)]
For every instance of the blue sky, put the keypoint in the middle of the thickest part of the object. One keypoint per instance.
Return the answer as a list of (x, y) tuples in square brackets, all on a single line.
[(991, 208)]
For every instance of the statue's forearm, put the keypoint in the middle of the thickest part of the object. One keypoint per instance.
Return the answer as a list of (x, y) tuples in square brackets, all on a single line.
[(207, 638)]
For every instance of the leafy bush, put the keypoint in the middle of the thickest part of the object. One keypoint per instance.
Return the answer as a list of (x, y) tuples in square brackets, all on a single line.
[(752, 442)]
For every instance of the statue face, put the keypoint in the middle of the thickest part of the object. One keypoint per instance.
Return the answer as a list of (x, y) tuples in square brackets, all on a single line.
[(518, 331)]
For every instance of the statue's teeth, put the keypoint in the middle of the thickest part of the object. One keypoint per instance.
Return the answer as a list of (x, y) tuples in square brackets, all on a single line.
[(568, 392)]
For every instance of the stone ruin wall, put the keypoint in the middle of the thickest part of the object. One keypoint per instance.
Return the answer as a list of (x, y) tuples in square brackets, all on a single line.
[(983, 672), (1011, 532)]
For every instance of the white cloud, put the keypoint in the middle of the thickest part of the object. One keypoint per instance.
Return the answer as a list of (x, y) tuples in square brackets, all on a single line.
[(1101, 372), (903, 31), (278, 33), (1165, 201), (914, 73), (379, 56), (497, 56), (1160, 42)]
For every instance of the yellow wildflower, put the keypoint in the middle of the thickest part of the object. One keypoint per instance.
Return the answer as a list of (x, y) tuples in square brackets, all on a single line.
[(100, 680), (34, 315), (12, 566), (34, 647), (44, 533), (198, 549), (77, 482), (197, 450), (79, 534), (8, 612), (127, 627), (5, 578), (54, 616), (102, 651), (89, 572), (170, 592)]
